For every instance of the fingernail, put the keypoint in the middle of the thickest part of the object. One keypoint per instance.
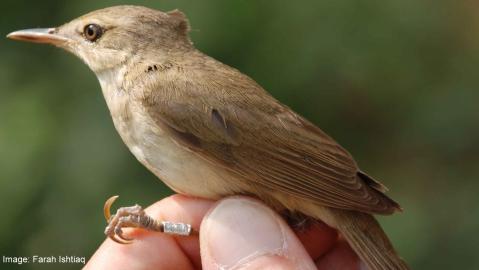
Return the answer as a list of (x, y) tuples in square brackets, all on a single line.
[(239, 230)]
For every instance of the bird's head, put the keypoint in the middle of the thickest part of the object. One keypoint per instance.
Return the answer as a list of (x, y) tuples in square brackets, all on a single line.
[(106, 38)]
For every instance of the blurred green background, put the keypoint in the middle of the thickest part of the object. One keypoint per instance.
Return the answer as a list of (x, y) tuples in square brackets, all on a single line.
[(395, 82)]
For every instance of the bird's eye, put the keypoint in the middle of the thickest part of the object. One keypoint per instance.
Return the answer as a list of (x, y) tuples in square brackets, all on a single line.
[(92, 32)]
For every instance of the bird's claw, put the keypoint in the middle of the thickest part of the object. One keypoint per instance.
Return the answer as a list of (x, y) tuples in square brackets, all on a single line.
[(135, 217), (125, 217), (107, 207)]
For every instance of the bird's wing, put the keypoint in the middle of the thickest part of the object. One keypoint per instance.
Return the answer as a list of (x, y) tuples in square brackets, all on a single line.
[(236, 124)]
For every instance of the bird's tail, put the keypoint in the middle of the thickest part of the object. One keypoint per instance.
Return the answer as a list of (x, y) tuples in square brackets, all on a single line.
[(368, 240)]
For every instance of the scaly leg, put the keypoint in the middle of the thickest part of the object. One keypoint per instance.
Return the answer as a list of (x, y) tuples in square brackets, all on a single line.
[(135, 217)]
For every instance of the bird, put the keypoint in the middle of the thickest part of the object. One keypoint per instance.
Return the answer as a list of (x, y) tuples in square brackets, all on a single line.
[(207, 130)]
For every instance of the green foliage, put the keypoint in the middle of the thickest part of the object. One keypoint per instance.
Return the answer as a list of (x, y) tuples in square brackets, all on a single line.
[(394, 81)]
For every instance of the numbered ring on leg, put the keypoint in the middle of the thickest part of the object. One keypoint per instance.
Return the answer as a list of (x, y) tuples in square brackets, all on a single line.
[(176, 228)]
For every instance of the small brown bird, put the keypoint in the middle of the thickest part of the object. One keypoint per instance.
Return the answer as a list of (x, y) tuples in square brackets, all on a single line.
[(207, 130)]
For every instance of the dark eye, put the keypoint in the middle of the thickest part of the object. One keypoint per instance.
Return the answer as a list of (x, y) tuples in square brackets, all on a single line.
[(92, 32)]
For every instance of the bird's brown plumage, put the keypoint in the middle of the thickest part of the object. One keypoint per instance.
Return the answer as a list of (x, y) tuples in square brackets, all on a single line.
[(240, 126)]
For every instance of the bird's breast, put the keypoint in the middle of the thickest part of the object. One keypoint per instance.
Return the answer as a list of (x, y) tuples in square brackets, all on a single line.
[(181, 169)]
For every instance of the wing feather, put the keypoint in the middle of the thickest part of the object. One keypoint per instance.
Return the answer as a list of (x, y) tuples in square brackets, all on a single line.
[(230, 120)]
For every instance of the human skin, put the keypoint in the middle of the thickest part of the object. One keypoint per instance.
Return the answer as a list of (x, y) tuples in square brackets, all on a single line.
[(236, 232)]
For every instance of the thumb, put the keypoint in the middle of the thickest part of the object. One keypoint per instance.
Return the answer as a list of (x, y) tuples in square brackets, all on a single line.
[(242, 233)]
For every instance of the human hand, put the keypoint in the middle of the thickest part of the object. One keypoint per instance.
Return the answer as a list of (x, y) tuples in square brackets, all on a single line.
[(236, 233)]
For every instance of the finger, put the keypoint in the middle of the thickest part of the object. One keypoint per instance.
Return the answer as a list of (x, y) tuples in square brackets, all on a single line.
[(339, 258), (156, 250), (242, 233), (148, 251), (179, 208), (317, 239)]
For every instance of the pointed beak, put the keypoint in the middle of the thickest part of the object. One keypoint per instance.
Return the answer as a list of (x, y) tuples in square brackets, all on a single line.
[(39, 35)]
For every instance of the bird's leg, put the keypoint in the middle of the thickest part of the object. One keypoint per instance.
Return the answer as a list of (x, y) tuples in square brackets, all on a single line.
[(297, 221), (135, 217)]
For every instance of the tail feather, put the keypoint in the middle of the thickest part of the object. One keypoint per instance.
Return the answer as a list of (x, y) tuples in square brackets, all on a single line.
[(368, 240)]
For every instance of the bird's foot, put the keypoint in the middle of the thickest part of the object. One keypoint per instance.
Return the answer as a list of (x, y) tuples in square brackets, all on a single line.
[(135, 217)]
